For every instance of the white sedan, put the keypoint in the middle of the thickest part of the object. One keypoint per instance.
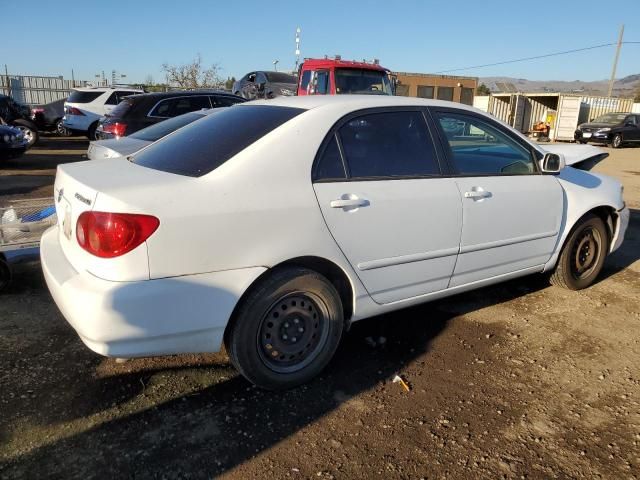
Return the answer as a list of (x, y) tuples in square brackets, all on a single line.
[(270, 226)]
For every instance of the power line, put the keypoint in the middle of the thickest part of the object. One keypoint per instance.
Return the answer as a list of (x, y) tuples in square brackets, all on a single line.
[(535, 57)]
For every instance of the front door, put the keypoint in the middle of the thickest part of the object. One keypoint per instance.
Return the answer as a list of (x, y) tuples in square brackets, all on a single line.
[(512, 212), (396, 219)]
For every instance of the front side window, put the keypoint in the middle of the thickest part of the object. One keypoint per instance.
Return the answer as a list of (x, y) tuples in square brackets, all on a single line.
[(632, 119), (204, 145), (358, 81), (304, 82), (320, 83), (478, 148), (388, 144)]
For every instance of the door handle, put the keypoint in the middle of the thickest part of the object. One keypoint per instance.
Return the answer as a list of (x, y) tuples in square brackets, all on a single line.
[(349, 203), (477, 194)]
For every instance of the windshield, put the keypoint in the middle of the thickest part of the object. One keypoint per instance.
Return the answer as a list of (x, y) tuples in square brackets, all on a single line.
[(351, 80), (164, 128), (611, 118), (277, 77)]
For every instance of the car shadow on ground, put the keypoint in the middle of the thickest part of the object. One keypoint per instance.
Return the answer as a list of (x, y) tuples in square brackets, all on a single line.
[(216, 428)]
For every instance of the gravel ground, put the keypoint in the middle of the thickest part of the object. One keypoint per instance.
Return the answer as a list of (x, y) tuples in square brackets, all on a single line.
[(519, 380)]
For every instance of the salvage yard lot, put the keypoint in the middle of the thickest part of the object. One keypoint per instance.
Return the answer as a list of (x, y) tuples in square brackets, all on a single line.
[(515, 380)]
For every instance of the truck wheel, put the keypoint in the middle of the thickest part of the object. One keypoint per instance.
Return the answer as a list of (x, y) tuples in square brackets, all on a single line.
[(5, 274), (286, 330), (29, 130), (583, 254), (616, 141)]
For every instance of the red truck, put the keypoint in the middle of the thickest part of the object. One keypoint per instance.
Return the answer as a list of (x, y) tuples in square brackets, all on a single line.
[(334, 76)]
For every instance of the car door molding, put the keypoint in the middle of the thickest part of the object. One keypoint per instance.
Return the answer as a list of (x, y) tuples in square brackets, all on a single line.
[(411, 258), (509, 241)]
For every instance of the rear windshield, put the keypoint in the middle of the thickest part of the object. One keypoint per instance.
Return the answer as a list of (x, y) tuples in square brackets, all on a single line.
[(203, 146), (83, 97), (121, 109), (164, 128)]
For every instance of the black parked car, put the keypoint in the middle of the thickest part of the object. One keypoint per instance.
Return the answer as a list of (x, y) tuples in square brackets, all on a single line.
[(265, 85), (12, 142), (613, 129), (139, 111), (48, 117), (19, 116)]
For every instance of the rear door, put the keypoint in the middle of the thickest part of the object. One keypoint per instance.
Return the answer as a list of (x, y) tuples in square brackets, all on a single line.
[(397, 220), (511, 211)]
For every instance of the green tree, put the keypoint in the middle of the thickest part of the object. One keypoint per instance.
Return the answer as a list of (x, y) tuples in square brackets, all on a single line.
[(483, 90)]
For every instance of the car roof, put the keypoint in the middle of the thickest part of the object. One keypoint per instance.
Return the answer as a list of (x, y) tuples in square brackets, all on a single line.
[(107, 89), (181, 93), (356, 102)]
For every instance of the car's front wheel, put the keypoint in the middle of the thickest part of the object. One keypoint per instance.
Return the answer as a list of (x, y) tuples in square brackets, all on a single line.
[(616, 141), (583, 254), (29, 131), (286, 330)]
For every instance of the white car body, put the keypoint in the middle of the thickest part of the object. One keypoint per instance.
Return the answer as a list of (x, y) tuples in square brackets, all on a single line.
[(103, 100), (409, 241)]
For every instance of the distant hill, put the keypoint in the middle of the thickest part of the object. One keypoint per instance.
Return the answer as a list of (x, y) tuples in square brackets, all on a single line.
[(623, 87)]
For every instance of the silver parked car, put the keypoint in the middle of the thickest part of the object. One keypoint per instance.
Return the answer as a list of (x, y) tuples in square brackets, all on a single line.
[(123, 146)]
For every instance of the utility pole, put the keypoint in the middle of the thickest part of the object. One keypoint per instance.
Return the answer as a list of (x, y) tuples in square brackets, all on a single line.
[(615, 61), (297, 49)]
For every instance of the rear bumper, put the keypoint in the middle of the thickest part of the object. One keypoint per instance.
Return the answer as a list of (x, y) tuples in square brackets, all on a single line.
[(151, 317)]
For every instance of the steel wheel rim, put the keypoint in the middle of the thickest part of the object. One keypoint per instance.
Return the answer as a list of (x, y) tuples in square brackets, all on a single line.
[(293, 332), (27, 133), (585, 254)]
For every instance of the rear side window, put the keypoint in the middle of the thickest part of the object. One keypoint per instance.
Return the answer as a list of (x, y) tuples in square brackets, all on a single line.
[(173, 107), (389, 144), (164, 128), (203, 146), (83, 97), (330, 166)]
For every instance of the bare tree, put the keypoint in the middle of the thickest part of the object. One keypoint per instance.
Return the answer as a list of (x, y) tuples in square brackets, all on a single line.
[(193, 75), (148, 80)]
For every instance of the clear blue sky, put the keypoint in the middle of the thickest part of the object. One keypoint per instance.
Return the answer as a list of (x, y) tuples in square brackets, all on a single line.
[(137, 37)]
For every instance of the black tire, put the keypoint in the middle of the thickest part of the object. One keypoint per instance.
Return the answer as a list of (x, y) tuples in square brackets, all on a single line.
[(616, 141), (581, 142), (91, 133), (5, 274), (29, 130), (61, 130), (582, 255), (262, 339)]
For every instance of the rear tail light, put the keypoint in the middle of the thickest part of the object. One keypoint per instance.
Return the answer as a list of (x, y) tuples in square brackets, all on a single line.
[(37, 110), (118, 129), (74, 111), (109, 235)]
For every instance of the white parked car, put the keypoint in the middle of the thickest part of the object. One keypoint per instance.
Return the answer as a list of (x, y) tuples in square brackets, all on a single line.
[(85, 106), (272, 225)]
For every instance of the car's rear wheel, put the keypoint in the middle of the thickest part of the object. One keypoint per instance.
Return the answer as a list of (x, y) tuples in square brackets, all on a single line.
[(583, 254), (91, 133), (286, 330), (616, 141)]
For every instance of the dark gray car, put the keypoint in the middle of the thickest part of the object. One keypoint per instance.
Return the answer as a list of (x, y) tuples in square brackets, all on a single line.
[(262, 84)]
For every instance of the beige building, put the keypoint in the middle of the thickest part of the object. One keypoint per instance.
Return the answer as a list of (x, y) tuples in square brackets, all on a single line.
[(441, 87)]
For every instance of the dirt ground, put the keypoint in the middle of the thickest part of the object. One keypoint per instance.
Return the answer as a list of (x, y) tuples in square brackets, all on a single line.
[(519, 380)]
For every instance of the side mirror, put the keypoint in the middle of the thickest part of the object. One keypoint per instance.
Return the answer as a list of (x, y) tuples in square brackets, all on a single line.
[(552, 163)]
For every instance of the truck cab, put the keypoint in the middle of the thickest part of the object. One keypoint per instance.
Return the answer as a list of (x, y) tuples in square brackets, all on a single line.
[(334, 76)]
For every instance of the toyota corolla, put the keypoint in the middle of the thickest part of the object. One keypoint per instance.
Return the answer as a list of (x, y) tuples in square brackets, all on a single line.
[(270, 226)]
